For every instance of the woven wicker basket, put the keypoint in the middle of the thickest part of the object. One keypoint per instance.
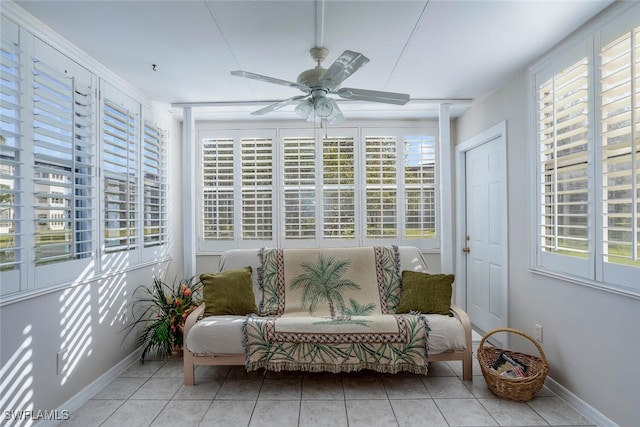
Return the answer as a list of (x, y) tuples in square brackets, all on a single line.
[(518, 389)]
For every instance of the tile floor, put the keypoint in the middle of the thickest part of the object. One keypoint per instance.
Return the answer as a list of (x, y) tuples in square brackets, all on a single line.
[(153, 395)]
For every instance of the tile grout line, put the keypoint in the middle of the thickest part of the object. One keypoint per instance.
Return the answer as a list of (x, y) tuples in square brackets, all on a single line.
[(230, 374)]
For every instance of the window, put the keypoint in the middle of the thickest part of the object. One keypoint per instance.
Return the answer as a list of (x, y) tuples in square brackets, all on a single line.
[(381, 186), (121, 175), (63, 166), (154, 191), (257, 188), (217, 189), (299, 181), (618, 150), (338, 184), (588, 158), (620, 155), (564, 162), (336, 187), (76, 163), (11, 260), (237, 203), (420, 187)]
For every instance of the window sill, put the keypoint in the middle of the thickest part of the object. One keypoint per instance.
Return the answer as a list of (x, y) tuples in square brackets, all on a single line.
[(21, 296), (604, 287), (429, 251)]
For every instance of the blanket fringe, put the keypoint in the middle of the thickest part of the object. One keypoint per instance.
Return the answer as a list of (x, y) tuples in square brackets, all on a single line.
[(245, 343), (335, 369), (396, 256), (260, 274), (427, 329)]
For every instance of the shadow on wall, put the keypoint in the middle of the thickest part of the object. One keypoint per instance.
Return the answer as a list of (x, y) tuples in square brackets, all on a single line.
[(16, 379), (86, 342)]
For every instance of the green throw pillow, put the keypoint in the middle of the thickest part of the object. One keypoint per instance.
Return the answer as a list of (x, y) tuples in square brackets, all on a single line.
[(426, 293), (228, 292)]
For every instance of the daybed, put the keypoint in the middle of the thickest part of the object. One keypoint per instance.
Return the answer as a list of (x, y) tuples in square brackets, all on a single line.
[(334, 330)]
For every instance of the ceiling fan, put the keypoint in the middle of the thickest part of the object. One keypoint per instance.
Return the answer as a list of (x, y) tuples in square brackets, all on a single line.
[(317, 83)]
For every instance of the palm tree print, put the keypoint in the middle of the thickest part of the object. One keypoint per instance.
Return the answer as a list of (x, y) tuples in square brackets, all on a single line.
[(355, 309), (323, 282)]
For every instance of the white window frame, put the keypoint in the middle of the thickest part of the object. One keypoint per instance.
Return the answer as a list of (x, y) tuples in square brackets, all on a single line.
[(399, 133), (305, 134), (11, 277), (593, 271), (211, 245), (342, 134), (318, 135), (546, 260), (129, 255), (159, 249), (60, 272), (356, 130), (32, 40)]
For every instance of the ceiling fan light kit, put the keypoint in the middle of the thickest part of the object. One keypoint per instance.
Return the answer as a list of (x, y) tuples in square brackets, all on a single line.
[(317, 83)]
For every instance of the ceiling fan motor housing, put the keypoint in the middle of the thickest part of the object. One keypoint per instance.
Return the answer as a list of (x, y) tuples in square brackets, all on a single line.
[(312, 78)]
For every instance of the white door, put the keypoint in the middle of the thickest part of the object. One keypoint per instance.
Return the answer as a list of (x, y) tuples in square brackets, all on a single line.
[(485, 236)]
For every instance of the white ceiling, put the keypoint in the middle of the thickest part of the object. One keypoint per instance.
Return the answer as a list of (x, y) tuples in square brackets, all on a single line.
[(454, 50)]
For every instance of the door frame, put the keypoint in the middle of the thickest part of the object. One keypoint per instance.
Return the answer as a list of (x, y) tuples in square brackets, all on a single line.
[(497, 131)]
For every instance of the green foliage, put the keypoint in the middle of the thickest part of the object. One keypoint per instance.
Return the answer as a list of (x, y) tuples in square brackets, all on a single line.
[(355, 309), (161, 310)]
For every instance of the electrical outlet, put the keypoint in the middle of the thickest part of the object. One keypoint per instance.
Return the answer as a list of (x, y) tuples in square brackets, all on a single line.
[(61, 361), (539, 333)]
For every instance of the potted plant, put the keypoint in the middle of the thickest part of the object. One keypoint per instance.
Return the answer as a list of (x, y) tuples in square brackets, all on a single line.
[(162, 310)]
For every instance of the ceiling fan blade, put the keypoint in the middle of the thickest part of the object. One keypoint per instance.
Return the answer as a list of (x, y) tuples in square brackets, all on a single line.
[(373, 95), (277, 105), (267, 79), (346, 64)]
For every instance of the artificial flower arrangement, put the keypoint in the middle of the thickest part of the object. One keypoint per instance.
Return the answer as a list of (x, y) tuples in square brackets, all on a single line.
[(163, 309)]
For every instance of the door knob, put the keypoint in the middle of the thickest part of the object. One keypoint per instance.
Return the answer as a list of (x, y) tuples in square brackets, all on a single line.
[(466, 249)]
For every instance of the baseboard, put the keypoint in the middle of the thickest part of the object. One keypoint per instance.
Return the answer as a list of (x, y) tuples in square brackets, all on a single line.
[(588, 411), (89, 391)]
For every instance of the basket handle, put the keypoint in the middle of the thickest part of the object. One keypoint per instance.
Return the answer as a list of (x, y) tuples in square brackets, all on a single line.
[(519, 332)]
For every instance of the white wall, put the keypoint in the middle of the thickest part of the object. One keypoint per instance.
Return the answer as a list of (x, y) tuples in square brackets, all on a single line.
[(591, 337), (87, 318)]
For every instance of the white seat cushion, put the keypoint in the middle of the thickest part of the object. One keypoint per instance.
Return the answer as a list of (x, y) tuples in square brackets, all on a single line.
[(446, 334), (217, 335)]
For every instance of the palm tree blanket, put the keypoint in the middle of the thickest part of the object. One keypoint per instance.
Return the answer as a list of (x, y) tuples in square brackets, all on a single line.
[(334, 310)]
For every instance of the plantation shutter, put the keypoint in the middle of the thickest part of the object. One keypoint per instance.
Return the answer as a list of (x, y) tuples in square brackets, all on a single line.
[(11, 174), (63, 169), (620, 155), (120, 168), (154, 165), (381, 187), (338, 188), (420, 187), (620, 147), (299, 188), (564, 162), (257, 189), (217, 189)]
